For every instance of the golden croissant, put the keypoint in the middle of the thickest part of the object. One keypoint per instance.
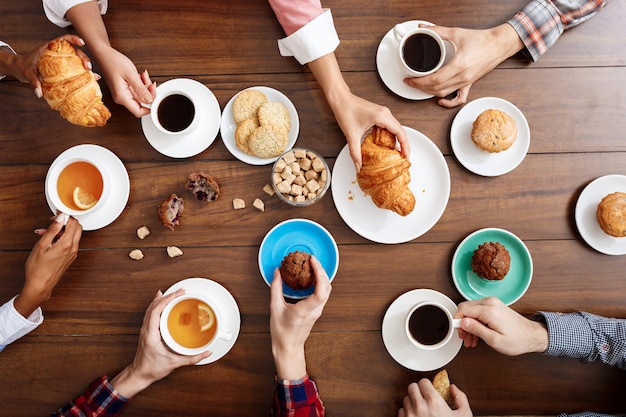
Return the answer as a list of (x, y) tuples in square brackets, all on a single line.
[(384, 174), (69, 88)]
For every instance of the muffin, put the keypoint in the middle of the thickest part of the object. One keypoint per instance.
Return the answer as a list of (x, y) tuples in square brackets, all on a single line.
[(494, 131), (491, 261), (296, 272), (170, 211), (203, 186), (611, 214)]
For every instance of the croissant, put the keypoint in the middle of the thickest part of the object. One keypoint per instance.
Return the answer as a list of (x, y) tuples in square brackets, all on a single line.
[(384, 174), (69, 88)]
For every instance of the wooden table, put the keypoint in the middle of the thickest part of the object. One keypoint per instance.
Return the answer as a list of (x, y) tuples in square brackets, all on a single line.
[(573, 98)]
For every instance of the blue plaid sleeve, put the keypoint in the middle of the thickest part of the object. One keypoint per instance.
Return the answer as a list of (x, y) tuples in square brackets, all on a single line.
[(586, 337)]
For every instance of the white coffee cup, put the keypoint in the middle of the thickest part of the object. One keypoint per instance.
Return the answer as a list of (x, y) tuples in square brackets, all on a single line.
[(168, 334), (420, 51), (174, 112), (429, 325), (71, 172)]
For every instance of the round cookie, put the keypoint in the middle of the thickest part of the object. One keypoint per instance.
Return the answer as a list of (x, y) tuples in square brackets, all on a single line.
[(246, 104), (243, 132), (296, 272), (274, 113), (491, 261), (611, 214), (268, 141), (494, 131)]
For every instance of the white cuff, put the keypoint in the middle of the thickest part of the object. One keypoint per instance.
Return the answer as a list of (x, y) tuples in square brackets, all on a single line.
[(313, 40), (13, 325), (2, 76), (56, 9)]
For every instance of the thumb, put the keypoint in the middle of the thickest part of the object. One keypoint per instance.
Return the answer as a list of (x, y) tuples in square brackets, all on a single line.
[(476, 328), (459, 398)]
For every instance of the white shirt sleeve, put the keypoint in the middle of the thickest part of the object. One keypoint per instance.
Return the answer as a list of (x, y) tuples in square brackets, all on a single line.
[(8, 46), (313, 40), (55, 9), (13, 325)]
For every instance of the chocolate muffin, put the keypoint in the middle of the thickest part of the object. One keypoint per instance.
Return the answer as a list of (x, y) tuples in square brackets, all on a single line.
[(296, 272), (491, 261)]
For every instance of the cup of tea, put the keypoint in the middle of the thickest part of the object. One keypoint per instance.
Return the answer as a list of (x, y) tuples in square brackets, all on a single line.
[(191, 324), (429, 325), (77, 185), (174, 112), (421, 51)]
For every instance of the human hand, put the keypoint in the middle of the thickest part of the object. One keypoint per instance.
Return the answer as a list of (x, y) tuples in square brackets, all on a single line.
[(153, 360), (477, 52), (500, 327), (356, 115), (24, 67), (128, 87), (51, 256), (291, 323), (423, 400)]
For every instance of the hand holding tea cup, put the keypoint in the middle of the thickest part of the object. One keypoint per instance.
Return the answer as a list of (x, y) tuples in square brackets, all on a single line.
[(291, 323), (153, 360), (505, 330)]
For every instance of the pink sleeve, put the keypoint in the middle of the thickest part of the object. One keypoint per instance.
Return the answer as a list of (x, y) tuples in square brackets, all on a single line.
[(292, 14)]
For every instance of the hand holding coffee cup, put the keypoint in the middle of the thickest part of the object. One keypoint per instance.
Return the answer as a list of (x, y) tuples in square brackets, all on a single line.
[(421, 51), (191, 324), (429, 325)]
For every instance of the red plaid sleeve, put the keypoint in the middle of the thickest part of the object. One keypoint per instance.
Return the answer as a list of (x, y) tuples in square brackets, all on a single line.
[(99, 400), (297, 398)]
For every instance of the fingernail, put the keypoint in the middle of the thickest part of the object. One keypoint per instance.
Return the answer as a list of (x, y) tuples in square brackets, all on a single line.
[(38, 92), (37, 231), (62, 218), (89, 65), (81, 41)]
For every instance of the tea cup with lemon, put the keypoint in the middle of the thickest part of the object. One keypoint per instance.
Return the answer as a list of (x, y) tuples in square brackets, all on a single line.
[(77, 186), (191, 324)]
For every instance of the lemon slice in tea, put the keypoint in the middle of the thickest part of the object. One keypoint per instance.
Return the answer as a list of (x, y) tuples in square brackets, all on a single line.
[(205, 317), (83, 199)]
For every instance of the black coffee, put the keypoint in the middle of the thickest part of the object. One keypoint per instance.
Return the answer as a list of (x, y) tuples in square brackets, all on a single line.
[(421, 52), (176, 112), (429, 325)]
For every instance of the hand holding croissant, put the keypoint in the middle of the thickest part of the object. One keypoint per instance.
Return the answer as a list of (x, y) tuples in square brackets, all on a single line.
[(69, 88), (384, 174)]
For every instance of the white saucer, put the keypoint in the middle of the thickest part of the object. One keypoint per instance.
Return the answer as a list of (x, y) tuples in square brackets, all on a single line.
[(120, 186), (430, 183), (192, 143), (389, 68), (586, 219), (224, 301), (398, 344), (229, 126), (477, 160)]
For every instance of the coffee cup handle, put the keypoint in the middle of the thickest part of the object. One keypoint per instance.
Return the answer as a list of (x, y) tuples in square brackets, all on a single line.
[(146, 105), (398, 32), (456, 323), (225, 334)]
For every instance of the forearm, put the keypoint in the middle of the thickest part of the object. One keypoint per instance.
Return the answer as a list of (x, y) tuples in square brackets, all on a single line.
[(290, 362), (88, 22), (328, 75), (129, 383), (7, 60)]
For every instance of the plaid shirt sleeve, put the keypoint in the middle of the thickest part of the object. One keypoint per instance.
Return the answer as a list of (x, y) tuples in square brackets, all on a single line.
[(100, 399), (297, 398), (542, 22), (586, 337)]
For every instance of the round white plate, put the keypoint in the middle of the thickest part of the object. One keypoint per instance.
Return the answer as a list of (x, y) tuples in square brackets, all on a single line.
[(586, 219), (224, 301), (389, 68), (192, 143), (229, 126), (477, 160), (120, 186), (397, 342), (430, 182)]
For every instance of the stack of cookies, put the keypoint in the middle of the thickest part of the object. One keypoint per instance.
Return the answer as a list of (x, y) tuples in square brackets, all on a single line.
[(262, 125)]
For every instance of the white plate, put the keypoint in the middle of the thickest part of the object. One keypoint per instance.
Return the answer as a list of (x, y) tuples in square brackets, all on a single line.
[(389, 68), (430, 182), (477, 160), (224, 301), (586, 219), (228, 126), (192, 143), (401, 349), (120, 186)]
